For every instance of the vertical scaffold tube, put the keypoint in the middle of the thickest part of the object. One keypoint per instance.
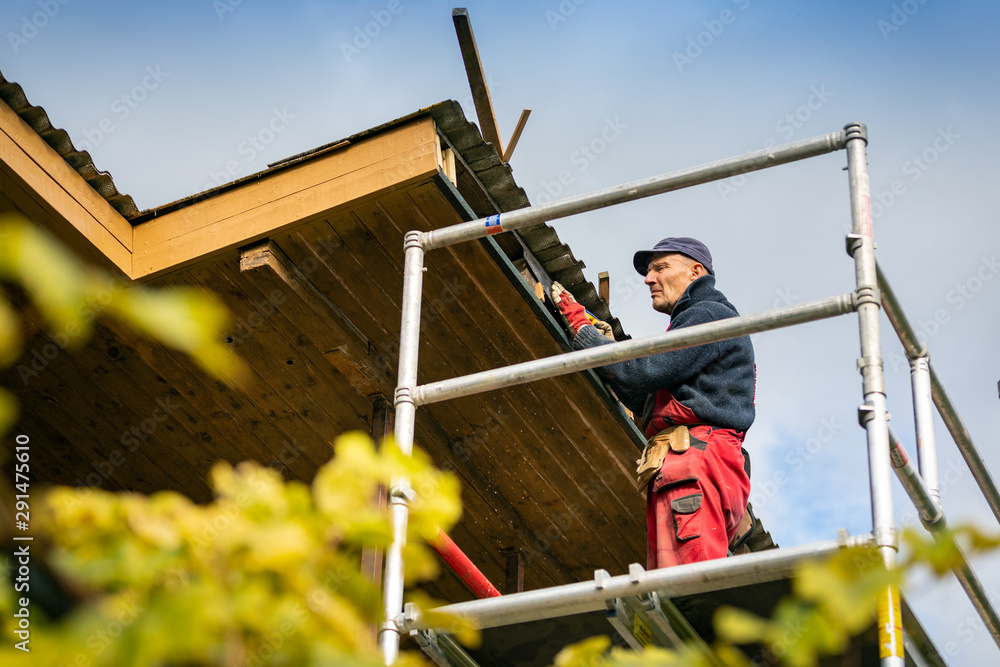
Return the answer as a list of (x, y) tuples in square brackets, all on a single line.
[(923, 417), (400, 491), (862, 248)]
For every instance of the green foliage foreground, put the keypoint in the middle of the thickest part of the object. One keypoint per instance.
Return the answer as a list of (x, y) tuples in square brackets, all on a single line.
[(267, 574)]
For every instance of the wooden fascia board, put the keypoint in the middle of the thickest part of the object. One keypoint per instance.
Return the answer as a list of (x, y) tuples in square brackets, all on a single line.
[(310, 190), (43, 175)]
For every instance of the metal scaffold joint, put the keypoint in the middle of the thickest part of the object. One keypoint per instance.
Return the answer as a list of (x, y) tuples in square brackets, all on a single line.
[(413, 239), (867, 294), (856, 131), (401, 495), (852, 243), (403, 395)]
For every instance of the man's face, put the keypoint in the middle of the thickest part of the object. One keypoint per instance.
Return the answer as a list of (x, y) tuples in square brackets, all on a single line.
[(667, 276)]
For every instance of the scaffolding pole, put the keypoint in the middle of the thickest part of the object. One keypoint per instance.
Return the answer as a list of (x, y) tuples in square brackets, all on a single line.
[(956, 427), (400, 491), (713, 171), (670, 582), (874, 417), (570, 362), (933, 519), (923, 422)]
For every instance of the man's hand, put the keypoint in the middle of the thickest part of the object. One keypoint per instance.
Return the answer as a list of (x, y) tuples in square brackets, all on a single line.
[(575, 314)]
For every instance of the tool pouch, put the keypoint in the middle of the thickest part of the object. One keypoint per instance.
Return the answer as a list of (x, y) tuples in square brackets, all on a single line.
[(648, 465)]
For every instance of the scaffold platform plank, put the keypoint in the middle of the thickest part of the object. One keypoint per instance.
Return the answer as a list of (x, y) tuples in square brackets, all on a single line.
[(536, 643)]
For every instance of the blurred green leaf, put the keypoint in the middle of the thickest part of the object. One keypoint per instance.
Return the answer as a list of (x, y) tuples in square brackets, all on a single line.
[(47, 271), (261, 575), (587, 653), (10, 333), (188, 319), (8, 414), (739, 626)]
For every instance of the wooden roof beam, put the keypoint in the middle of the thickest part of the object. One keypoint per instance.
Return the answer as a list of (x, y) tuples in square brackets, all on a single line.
[(477, 78), (37, 181), (289, 289), (286, 197)]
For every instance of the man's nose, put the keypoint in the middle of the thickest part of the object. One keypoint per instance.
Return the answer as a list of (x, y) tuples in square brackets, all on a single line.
[(649, 280)]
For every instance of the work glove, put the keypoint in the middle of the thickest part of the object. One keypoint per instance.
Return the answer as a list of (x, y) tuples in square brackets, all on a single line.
[(576, 315)]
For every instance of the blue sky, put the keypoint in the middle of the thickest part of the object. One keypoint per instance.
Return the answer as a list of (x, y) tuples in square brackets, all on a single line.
[(168, 94)]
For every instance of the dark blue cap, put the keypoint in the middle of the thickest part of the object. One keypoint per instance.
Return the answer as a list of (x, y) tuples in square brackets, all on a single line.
[(693, 248)]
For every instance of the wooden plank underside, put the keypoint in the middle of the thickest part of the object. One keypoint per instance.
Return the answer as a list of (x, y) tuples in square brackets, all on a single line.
[(69, 203), (577, 437), (287, 198), (338, 271), (353, 250)]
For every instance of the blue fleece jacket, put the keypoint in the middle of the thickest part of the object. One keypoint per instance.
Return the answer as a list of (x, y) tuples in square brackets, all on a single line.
[(715, 381)]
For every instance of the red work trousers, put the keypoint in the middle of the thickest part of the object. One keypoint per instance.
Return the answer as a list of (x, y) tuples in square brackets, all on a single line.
[(694, 506)]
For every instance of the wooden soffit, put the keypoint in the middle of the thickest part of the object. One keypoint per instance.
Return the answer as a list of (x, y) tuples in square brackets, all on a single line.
[(37, 181)]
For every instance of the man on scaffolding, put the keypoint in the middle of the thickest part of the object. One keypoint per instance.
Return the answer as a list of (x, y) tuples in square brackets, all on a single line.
[(696, 406)]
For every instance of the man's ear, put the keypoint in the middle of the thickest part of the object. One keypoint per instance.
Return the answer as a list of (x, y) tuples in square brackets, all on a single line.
[(698, 270)]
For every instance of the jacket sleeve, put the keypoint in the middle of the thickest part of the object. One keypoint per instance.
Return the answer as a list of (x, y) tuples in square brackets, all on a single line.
[(648, 375)]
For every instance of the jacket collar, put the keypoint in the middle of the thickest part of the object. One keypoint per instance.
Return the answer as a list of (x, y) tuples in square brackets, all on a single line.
[(701, 289)]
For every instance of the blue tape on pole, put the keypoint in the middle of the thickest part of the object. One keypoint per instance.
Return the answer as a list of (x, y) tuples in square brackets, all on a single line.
[(493, 224)]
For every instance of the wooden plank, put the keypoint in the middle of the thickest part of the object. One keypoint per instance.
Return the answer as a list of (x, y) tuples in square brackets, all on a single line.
[(122, 371), (281, 405), (488, 516), (448, 164), (322, 380), (86, 422), (229, 409), (517, 134), (162, 418), (42, 172), (320, 319), (319, 247), (287, 197), (604, 287), (17, 198), (307, 385), (54, 459), (514, 579), (477, 78)]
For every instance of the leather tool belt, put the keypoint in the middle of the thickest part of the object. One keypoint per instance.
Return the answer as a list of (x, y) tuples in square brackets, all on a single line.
[(648, 465)]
